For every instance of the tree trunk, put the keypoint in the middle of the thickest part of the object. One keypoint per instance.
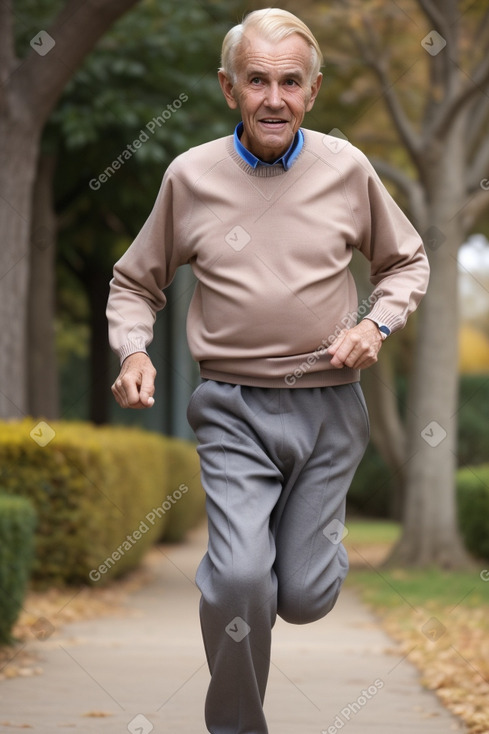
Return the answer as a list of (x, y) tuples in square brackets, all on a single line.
[(98, 291), (430, 532), (387, 431), (29, 90), (18, 156), (42, 373)]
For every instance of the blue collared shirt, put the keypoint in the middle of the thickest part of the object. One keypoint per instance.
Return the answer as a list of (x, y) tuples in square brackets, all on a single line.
[(287, 159)]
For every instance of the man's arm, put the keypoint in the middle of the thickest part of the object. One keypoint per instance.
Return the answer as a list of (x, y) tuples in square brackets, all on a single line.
[(136, 295), (399, 269)]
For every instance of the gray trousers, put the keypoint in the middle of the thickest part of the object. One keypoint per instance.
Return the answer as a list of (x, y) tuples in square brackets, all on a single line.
[(276, 465)]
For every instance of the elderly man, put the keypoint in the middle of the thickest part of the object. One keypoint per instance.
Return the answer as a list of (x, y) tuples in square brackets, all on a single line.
[(268, 218)]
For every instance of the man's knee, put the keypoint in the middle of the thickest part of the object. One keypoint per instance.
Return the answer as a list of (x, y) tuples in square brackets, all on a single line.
[(302, 600), (240, 589), (302, 606)]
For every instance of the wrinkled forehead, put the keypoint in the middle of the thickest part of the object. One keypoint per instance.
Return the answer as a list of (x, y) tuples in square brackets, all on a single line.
[(257, 52)]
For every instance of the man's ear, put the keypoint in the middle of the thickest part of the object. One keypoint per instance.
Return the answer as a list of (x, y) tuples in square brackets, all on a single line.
[(315, 87), (227, 89)]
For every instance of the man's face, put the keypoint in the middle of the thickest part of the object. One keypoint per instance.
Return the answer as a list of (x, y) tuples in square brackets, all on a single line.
[(273, 91)]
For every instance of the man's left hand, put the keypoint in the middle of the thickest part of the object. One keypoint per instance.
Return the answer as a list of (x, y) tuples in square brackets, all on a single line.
[(357, 347)]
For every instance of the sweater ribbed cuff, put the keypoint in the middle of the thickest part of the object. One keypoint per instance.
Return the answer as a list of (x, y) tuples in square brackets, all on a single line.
[(381, 315), (131, 347)]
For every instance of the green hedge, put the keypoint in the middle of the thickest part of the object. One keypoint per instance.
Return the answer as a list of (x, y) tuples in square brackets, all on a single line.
[(17, 524), (98, 492), (473, 509), (184, 473)]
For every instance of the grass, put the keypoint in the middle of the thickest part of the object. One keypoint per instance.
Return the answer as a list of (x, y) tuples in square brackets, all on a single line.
[(390, 588), (370, 532), (439, 618)]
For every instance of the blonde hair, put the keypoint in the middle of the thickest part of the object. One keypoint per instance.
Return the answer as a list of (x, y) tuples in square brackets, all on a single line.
[(274, 24)]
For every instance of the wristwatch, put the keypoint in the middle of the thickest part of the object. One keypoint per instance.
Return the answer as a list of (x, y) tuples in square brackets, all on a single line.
[(384, 330)]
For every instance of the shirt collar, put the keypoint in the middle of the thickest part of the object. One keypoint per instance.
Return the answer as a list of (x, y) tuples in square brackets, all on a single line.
[(287, 159)]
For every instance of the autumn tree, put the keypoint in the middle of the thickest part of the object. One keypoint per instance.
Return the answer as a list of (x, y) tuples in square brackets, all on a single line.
[(31, 81), (427, 63), (83, 219)]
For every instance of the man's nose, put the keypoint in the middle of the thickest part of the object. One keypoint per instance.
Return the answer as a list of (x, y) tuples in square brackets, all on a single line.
[(274, 95)]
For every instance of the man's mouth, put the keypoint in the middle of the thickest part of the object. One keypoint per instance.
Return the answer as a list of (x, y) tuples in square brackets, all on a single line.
[(272, 122)]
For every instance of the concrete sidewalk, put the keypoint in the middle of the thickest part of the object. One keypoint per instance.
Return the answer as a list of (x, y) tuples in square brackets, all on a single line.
[(146, 671)]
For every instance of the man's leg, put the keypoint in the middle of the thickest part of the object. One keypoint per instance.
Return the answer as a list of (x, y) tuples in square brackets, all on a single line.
[(276, 467), (311, 562), (236, 578)]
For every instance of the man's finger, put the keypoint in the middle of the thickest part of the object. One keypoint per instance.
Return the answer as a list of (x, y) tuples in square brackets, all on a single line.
[(146, 393), (130, 387), (119, 393), (340, 349)]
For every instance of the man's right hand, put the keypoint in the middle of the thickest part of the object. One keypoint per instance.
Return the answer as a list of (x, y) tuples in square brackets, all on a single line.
[(135, 386)]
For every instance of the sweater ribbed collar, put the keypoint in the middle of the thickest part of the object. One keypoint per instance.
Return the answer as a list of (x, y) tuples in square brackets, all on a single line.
[(260, 171)]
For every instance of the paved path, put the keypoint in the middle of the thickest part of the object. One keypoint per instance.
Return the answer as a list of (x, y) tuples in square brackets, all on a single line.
[(146, 671)]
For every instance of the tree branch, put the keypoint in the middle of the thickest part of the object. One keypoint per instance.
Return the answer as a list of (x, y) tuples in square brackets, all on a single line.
[(437, 18), (479, 169), (478, 204), (7, 52), (42, 78), (404, 128), (410, 188), (406, 132), (478, 119), (483, 24), (478, 84)]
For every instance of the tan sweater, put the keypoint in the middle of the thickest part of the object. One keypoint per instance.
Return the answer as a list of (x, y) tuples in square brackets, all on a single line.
[(270, 249)]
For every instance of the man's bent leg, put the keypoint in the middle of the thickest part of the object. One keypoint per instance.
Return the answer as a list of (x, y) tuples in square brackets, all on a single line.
[(311, 562)]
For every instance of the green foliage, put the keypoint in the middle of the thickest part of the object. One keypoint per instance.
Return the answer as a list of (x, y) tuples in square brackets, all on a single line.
[(473, 426), (96, 492), (31, 16), (473, 509), (372, 489), (17, 524), (184, 470), (158, 51)]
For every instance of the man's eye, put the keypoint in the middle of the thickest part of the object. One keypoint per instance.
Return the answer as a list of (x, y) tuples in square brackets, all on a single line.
[(256, 80), (290, 82)]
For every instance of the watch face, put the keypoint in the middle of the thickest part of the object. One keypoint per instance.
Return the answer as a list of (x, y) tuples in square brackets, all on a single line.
[(384, 330)]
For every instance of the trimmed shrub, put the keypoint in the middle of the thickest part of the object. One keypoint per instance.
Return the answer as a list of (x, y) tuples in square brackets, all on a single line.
[(473, 509), (186, 491), (371, 491), (473, 426), (98, 492), (17, 524)]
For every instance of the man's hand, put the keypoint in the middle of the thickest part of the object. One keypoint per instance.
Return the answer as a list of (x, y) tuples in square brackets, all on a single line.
[(358, 347), (135, 386)]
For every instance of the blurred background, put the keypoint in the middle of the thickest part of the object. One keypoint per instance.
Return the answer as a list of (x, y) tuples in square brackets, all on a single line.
[(90, 121), (96, 99)]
